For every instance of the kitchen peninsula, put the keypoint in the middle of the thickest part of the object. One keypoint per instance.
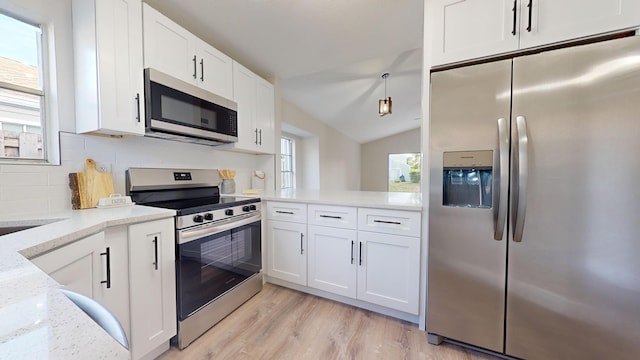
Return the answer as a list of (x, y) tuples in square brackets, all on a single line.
[(357, 247)]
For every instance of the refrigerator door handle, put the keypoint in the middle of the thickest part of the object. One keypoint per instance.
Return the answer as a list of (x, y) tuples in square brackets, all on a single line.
[(502, 185), (521, 195)]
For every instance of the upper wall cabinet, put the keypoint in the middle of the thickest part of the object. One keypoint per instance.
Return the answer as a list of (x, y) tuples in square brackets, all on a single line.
[(107, 40), (173, 50), (256, 106), (467, 29)]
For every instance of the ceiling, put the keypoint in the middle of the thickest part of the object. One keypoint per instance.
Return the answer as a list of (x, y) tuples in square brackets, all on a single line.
[(327, 55)]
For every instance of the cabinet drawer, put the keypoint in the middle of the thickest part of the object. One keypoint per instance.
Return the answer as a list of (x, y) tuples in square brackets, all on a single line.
[(333, 216), (390, 221), (287, 211)]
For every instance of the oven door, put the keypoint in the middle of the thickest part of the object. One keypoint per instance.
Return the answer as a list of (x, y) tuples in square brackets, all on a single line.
[(213, 258)]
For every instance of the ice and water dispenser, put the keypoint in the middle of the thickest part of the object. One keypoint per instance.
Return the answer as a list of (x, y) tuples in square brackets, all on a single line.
[(467, 178)]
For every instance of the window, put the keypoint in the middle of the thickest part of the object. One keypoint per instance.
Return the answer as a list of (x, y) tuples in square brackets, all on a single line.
[(21, 91), (287, 158), (404, 172)]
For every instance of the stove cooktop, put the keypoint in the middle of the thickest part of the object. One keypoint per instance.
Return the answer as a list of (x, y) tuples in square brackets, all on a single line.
[(193, 206)]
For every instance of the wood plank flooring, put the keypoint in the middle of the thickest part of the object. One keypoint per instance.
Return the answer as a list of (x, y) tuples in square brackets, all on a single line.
[(279, 323)]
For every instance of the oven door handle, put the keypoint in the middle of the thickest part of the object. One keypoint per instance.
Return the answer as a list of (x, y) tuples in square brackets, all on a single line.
[(198, 232)]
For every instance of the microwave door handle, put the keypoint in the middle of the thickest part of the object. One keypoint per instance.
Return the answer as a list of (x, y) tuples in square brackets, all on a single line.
[(501, 180), (523, 174)]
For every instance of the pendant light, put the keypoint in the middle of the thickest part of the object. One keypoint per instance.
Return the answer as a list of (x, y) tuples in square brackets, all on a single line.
[(384, 105)]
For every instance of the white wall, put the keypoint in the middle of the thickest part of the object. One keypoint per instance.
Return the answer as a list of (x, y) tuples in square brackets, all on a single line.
[(35, 189), (338, 155), (374, 166)]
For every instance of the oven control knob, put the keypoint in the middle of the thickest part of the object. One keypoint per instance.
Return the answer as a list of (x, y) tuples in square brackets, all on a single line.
[(246, 208), (228, 212), (198, 218), (208, 216), (252, 207)]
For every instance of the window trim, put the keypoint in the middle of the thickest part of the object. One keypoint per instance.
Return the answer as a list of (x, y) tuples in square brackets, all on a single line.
[(55, 62), (292, 172)]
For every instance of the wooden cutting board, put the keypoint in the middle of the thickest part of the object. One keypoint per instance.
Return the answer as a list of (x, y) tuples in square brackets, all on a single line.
[(89, 186)]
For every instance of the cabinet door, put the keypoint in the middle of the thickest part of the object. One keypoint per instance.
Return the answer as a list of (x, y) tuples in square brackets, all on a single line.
[(78, 266), (389, 270), (116, 296), (215, 70), (265, 116), (108, 66), (153, 286), (244, 93), (467, 29), (287, 254), (332, 260), (168, 47), (552, 21)]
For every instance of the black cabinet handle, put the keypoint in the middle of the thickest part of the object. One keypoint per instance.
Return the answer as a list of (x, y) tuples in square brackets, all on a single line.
[(107, 252), (260, 132), (388, 222), (513, 31), (352, 243), (331, 216), (138, 106), (201, 69), (530, 6), (301, 239), (360, 254), (256, 131), (284, 212), (155, 246), (195, 67)]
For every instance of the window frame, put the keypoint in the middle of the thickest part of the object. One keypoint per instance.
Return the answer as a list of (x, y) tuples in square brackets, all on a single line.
[(408, 177), (55, 62), (291, 155)]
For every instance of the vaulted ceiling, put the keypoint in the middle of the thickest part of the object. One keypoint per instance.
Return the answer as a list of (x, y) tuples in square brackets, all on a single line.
[(328, 55)]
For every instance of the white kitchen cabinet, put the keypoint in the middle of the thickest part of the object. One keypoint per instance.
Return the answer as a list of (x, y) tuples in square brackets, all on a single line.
[(116, 296), (287, 257), (79, 266), (256, 106), (131, 271), (367, 254), (332, 260), (171, 49), (95, 266), (466, 29), (287, 241), (107, 40), (388, 270), (152, 286)]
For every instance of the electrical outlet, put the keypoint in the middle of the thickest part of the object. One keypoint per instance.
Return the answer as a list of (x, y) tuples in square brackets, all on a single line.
[(103, 167)]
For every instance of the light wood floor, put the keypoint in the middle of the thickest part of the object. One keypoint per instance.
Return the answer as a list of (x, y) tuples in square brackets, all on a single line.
[(280, 323)]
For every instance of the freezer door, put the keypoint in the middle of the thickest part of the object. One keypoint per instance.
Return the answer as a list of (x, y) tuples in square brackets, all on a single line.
[(574, 278), (466, 285)]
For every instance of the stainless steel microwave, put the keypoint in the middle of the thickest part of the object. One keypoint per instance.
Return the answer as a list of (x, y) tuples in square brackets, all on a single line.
[(180, 111)]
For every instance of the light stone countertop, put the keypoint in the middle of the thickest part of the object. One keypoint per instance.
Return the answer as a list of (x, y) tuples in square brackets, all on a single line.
[(36, 319), (368, 199)]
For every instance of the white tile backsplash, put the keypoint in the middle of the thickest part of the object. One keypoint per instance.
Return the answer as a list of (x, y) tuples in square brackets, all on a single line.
[(33, 189)]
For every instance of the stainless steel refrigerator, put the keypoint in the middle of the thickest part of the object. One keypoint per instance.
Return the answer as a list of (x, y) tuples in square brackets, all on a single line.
[(534, 210)]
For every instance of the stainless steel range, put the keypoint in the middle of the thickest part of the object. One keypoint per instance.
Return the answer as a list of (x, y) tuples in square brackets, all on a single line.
[(218, 244)]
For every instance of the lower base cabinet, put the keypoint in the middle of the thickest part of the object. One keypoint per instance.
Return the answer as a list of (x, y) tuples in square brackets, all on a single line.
[(333, 260), (152, 276), (379, 265), (388, 274), (287, 251), (131, 271)]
